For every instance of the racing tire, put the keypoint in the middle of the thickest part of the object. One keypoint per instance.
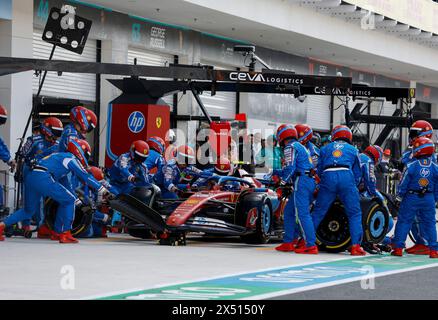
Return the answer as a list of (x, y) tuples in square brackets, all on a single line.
[(138, 231), (82, 219), (263, 222), (333, 234)]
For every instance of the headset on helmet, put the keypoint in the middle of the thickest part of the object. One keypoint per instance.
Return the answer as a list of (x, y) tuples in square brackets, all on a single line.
[(157, 144), (286, 131), (342, 133), (376, 152), (81, 150), (51, 127), (422, 147), (139, 150), (222, 167), (3, 115), (420, 128), (184, 155), (97, 173), (85, 118), (305, 133)]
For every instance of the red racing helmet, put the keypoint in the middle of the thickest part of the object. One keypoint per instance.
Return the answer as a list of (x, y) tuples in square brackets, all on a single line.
[(342, 133), (286, 131), (97, 173), (139, 150), (420, 128), (375, 152), (423, 147), (51, 127), (3, 115), (222, 167), (81, 150), (184, 154), (157, 144), (85, 118), (305, 133)]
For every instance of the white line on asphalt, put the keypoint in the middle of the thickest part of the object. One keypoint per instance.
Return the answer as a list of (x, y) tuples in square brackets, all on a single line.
[(334, 283), (109, 294)]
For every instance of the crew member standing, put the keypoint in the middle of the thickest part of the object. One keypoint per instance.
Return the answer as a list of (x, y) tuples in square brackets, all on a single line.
[(418, 192), (339, 170), (298, 170)]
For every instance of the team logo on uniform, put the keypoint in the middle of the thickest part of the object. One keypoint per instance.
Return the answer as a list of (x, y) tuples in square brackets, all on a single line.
[(339, 146), (136, 122), (423, 182), (424, 172), (337, 153), (158, 122)]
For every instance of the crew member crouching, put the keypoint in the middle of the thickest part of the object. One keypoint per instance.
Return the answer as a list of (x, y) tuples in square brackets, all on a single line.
[(48, 178)]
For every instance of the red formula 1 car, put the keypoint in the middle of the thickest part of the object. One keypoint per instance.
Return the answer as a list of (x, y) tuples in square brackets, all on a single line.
[(250, 211)]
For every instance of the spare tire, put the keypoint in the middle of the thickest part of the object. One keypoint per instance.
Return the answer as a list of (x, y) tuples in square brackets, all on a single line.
[(82, 220), (333, 234)]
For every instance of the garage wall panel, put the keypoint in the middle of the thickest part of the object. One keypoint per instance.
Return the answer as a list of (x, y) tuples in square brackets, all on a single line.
[(80, 86), (318, 112)]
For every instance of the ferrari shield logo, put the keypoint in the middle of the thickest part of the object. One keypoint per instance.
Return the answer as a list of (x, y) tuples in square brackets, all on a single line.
[(158, 122)]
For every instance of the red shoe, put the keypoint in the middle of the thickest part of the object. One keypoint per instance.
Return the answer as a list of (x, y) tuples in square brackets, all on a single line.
[(54, 236), (286, 247), (433, 254), (307, 250), (66, 237), (2, 230), (420, 249), (44, 232), (301, 243), (356, 250), (398, 252)]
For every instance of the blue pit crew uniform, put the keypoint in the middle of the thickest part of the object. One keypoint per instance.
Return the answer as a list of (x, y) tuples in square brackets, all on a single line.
[(314, 153), (208, 174), (417, 233), (340, 173), (368, 182), (154, 160), (35, 148), (419, 192), (298, 170), (68, 134), (6, 157), (171, 175), (125, 167), (49, 179)]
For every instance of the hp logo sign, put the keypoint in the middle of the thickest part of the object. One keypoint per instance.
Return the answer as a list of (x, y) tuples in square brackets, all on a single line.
[(136, 122)]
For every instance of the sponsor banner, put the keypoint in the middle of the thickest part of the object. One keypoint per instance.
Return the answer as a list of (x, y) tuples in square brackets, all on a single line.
[(280, 281)]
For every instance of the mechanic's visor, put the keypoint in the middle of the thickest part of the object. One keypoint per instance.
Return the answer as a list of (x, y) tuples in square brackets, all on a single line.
[(57, 132), (414, 133)]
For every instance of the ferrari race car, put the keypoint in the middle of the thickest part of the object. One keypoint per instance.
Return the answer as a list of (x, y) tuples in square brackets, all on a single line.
[(254, 213)]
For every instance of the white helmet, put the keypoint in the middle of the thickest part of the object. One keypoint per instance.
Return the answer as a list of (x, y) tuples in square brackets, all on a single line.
[(171, 136)]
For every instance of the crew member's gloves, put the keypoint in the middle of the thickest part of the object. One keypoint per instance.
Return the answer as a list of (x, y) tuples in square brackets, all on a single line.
[(397, 201), (101, 193), (12, 164), (131, 178), (78, 202), (276, 180)]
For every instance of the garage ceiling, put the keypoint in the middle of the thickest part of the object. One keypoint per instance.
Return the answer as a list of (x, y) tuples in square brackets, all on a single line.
[(180, 12)]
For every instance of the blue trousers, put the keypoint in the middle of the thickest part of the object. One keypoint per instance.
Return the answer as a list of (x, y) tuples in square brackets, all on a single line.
[(417, 231), (123, 187), (340, 184), (424, 208), (41, 184)]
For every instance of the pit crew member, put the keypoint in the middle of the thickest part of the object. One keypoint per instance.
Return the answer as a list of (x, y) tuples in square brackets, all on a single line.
[(340, 173)]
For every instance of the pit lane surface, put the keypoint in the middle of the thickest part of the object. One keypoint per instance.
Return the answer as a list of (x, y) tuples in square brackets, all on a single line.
[(35, 269)]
